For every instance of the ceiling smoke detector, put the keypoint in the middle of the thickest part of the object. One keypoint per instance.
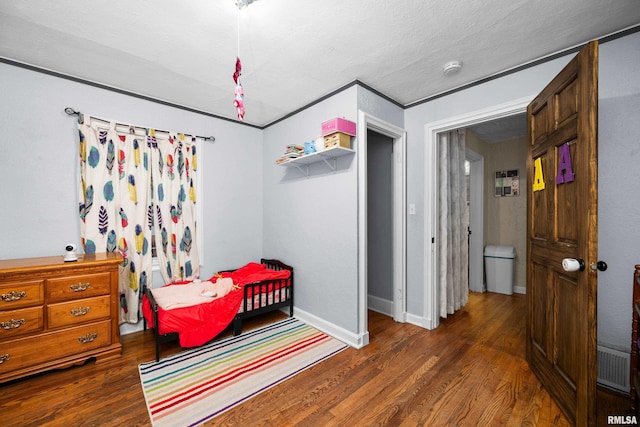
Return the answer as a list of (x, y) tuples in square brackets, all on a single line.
[(451, 68)]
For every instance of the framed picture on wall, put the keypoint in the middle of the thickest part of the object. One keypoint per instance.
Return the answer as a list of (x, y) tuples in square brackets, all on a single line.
[(507, 183)]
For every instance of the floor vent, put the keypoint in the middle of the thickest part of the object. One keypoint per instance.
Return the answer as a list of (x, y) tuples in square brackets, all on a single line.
[(613, 368)]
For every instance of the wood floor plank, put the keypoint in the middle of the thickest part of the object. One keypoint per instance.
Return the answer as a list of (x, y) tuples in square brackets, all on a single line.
[(471, 371)]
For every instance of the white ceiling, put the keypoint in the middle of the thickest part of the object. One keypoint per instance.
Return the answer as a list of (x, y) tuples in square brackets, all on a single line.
[(295, 51)]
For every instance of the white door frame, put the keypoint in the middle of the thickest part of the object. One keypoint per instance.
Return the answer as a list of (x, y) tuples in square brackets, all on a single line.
[(399, 227), (476, 220), (431, 318)]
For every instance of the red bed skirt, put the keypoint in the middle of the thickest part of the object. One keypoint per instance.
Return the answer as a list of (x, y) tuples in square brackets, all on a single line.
[(201, 323)]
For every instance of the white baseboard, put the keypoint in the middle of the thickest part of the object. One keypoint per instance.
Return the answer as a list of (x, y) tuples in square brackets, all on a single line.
[(520, 290), (128, 328), (337, 332), (417, 320), (380, 305), (385, 307)]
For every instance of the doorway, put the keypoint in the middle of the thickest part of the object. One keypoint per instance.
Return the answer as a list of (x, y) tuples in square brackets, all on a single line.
[(432, 130), (394, 138), (502, 144), (379, 223)]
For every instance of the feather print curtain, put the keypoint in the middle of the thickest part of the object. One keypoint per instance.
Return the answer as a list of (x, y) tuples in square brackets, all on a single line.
[(173, 163), (120, 208), (453, 247)]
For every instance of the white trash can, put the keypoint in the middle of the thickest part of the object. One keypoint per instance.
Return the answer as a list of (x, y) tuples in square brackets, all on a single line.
[(498, 264)]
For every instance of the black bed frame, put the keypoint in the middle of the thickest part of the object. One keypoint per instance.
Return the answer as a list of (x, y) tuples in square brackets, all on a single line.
[(284, 292)]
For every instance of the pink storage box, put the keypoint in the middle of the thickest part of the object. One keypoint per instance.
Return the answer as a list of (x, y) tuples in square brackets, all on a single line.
[(338, 125)]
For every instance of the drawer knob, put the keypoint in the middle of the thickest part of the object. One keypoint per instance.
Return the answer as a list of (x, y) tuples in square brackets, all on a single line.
[(87, 338), (80, 287), (4, 358), (80, 311), (12, 324), (14, 296)]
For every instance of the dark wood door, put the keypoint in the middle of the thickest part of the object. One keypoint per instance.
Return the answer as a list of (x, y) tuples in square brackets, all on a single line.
[(562, 224)]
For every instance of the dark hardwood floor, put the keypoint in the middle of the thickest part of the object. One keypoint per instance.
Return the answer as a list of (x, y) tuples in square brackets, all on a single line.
[(471, 371)]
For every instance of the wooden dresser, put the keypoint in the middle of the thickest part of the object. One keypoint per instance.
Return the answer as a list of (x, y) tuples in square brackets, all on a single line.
[(54, 314)]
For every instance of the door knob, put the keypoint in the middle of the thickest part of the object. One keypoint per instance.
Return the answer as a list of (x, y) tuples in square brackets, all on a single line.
[(572, 264), (600, 265)]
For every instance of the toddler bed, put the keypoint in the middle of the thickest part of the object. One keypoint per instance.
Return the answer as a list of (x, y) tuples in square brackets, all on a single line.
[(196, 312)]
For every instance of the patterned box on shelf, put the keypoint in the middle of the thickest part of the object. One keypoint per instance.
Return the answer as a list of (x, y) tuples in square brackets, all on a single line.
[(338, 125), (337, 139)]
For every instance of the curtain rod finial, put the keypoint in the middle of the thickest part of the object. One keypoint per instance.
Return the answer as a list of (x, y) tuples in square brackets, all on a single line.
[(71, 112)]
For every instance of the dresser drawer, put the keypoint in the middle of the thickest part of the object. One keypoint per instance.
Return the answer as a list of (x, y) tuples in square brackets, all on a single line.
[(78, 311), (21, 294), (79, 286), (19, 322), (20, 353)]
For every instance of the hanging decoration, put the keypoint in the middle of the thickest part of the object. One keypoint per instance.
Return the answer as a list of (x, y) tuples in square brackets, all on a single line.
[(565, 171), (538, 178), (238, 101)]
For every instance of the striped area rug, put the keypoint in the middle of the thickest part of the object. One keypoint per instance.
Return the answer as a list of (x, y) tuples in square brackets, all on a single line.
[(194, 386)]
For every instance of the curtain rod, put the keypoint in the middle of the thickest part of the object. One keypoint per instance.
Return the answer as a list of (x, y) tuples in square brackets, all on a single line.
[(71, 112)]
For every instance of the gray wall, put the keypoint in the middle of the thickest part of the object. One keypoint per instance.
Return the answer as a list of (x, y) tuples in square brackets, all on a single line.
[(39, 167), (618, 182), (310, 221)]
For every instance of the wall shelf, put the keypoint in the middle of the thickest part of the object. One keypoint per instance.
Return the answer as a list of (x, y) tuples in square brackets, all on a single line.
[(328, 156)]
